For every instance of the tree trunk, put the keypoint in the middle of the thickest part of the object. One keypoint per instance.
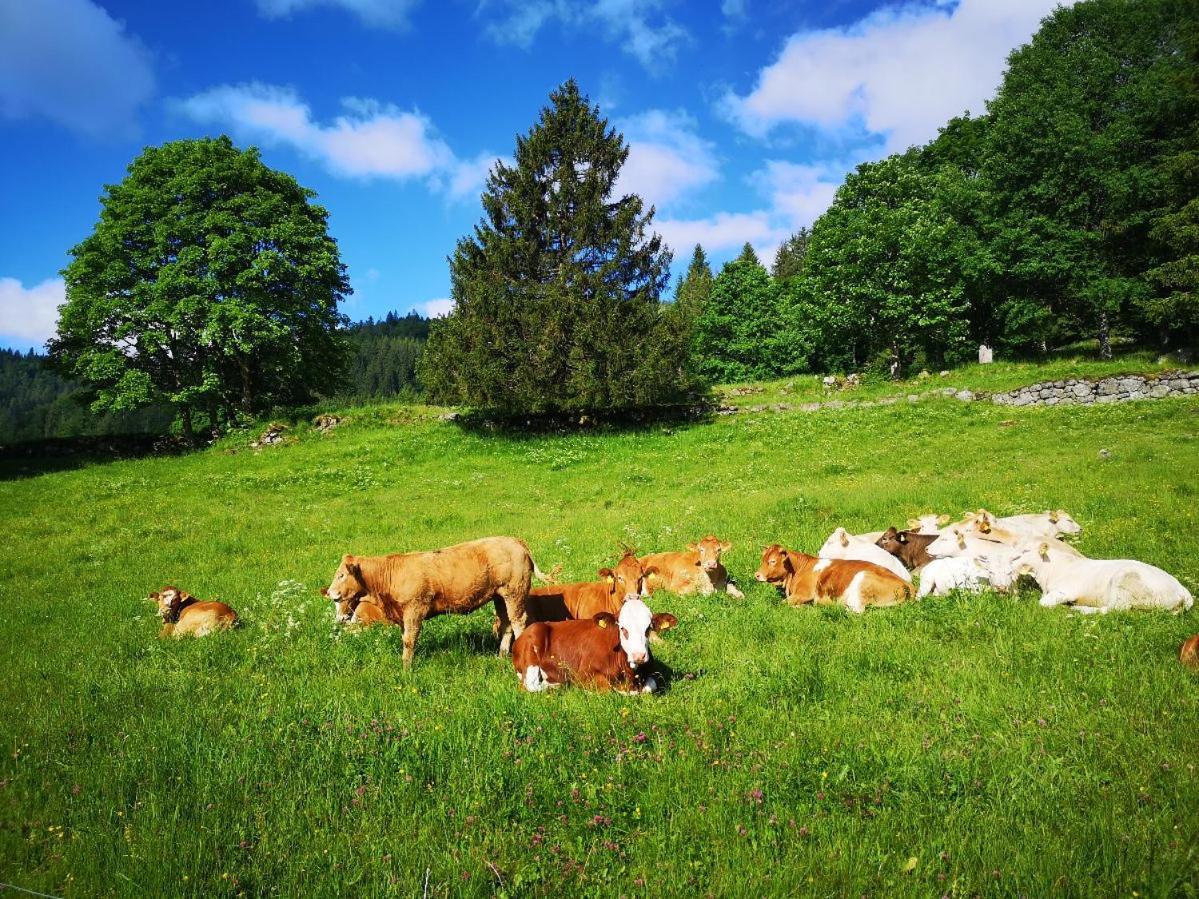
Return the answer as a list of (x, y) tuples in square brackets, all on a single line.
[(1105, 336), (247, 390), (188, 434), (214, 421)]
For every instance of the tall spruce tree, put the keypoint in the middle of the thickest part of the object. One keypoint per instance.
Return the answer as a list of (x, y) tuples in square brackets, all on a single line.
[(789, 260), (733, 338), (695, 287), (557, 291)]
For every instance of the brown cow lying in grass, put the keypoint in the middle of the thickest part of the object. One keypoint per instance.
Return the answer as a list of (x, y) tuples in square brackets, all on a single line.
[(627, 579), (364, 611), (804, 579), (185, 616), (909, 547), (458, 579), (606, 652), (698, 570)]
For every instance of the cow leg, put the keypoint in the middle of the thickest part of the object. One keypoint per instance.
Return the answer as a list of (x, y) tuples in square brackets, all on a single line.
[(1053, 598), (503, 626), (414, 617), (731, 589), (513, 596)]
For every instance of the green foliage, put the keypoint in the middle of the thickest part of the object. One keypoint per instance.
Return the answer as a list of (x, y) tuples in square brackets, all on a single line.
[(557, 291), (887, 269), (735, 337), (789, 259), (385, 355), (799, 752), (1075, 140), (210, 282), (691, 295)]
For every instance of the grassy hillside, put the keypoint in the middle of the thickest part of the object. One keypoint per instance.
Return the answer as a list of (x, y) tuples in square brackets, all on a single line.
[(960, 746)]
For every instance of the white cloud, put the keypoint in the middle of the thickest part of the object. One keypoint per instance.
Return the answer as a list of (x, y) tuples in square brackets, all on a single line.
[(901, 72), (640, 27), (30, 314), (798, 194), (723, 232), (438, 308), (667, 159), (370, 140), (391, 14), (70, 62)]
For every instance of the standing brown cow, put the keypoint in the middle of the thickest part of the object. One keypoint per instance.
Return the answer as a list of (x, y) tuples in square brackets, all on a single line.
[(698, 570), (804, 579), (456, 579)]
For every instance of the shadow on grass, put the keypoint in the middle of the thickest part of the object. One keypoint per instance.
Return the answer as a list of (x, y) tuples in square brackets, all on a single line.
[(38, 457), (516, 427)]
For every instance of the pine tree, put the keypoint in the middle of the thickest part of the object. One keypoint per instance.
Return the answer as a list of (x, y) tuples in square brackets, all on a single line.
[(789, 260), (557, 291), (696, 286), (733, 338)]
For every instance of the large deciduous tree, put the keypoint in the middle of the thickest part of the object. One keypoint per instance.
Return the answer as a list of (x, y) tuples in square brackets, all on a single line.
[(557, 291), (210, 283), (1076, 134)]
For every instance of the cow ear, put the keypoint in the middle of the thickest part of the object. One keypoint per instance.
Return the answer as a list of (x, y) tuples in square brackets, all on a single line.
[(606, 574), (725, 546), (325, 592), (1043, 551), (913, 522), (788, 565), (649, 569), (844, 537), (692, 548), (663, 621), (1053, 516), (154, 596), (942, 519), (604, 619), (355, 570), (984, 526)]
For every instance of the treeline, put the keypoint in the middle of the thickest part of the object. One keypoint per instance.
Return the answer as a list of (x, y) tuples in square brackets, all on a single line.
[(36, 402), (1069, 211)]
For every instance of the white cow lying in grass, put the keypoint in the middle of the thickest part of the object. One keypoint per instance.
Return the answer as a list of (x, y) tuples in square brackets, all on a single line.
[(1099, 585), (1038, 526), (940, 576), (843, 545)]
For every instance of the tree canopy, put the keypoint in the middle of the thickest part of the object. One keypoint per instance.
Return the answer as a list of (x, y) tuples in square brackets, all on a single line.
[(557, 291), (210, 283)]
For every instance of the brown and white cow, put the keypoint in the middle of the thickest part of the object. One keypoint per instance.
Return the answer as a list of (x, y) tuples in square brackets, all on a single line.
[(910, 547), (457, 579), (185, 616), (605, 652), (627, 579), (698, 570), (810, 579)]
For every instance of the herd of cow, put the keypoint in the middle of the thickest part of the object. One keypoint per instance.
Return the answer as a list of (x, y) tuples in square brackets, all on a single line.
[(597, 633)]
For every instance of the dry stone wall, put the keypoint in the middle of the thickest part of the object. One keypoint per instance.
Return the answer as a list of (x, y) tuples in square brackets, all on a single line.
[(1116, 389)]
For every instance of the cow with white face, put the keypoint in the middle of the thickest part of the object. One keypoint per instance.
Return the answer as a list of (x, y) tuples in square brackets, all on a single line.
[(843, 545), (582, 651), (1099, 585), (1040, 526), (928, 524)]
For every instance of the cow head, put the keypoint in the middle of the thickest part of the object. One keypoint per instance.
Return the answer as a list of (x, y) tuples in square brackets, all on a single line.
[(928, 524), (634, 625), (1064, 522), (709, 550), (170, 602), (950, 543), (347, 588), (893, 540), (1030, 559), (627, 579), (776, 565)]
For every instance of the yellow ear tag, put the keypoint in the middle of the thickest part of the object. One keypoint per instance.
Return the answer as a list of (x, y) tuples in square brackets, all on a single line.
[(603, 622)]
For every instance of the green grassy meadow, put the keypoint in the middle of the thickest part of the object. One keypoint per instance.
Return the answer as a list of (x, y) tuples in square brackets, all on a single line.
[(964, 746)]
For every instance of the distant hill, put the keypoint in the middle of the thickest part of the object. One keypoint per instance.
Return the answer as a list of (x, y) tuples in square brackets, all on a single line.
[(37, 403)]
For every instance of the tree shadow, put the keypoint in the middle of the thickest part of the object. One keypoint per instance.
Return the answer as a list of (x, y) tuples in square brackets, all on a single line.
[(37, 457), (618, 421)]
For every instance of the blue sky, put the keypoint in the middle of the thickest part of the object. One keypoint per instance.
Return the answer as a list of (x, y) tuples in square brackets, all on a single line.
[(742, 115)]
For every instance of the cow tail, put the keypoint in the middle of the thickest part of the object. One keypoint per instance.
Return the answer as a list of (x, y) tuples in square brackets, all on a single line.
[(551, 578)]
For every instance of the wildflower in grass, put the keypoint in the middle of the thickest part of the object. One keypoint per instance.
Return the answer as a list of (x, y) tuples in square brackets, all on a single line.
[(640, 738), (756, 796)]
